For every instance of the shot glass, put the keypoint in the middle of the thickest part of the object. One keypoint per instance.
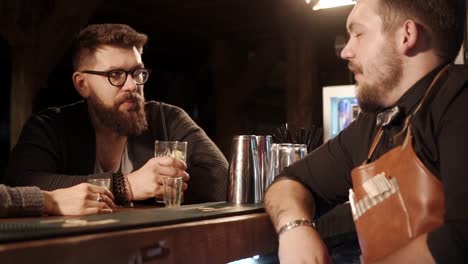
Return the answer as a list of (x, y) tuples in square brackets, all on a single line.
[(175, 149), (172, 187), (103, 182)]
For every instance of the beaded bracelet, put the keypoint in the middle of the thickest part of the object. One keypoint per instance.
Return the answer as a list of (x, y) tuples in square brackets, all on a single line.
[(120, 189), (295, 223), (128, 187)]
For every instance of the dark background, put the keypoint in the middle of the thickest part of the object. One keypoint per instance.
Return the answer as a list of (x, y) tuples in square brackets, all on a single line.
[(183, 36)]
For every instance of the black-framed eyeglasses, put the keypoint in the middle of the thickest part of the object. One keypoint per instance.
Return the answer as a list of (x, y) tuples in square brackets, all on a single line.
[(119, 77)]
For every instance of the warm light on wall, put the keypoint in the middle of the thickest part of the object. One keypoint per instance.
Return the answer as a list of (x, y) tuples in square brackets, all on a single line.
[(322, 4)]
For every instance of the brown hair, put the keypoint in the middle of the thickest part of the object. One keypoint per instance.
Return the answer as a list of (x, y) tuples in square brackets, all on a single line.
[(444, 20), (94, 36)]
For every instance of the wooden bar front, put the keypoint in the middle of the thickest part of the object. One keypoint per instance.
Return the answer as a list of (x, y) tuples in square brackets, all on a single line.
[(217, 240)]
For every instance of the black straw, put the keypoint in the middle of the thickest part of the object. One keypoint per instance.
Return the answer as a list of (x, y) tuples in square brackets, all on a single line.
[(312, 137), (163, 121)]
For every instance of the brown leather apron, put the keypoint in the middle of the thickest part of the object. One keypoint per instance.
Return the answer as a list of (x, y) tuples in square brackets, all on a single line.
[(395, 198)]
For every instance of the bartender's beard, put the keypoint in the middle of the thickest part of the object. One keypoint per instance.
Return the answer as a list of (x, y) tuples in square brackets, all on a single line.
[(125, 123), (387, 73)]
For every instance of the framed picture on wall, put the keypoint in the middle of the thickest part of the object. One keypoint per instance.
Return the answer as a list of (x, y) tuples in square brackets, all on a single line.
[(340, 108)]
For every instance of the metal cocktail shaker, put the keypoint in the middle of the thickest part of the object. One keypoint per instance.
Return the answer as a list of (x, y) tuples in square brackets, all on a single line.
[(245, 181), (263, 147)]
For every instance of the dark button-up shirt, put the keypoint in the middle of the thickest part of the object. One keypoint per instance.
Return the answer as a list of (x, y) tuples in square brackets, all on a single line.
[(57, 149), (440, 139)]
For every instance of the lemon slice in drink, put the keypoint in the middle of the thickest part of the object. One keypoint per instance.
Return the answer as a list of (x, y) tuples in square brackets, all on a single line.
[(177, 154)]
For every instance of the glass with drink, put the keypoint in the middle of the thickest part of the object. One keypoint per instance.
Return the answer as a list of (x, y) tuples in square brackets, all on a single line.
[(172, 186)]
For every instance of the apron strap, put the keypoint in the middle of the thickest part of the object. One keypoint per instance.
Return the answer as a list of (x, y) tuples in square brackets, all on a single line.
[(374, 144), (378, 136)]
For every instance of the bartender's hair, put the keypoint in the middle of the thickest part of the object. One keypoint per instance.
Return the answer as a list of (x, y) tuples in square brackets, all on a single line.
[(94, 36), (443, 19)]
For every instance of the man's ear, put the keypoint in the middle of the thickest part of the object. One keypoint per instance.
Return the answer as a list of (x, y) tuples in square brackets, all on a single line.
[(408, 36), (81, 86)]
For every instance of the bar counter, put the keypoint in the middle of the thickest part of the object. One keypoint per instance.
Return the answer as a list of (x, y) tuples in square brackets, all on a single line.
[(203, 233)]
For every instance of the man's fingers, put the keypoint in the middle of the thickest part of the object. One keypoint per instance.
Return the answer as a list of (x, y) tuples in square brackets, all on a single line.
[(185, 176), (101, 190), (90, 211), (170, 162), (179, 164), (168, 171), (105, 211), (173, 172), (98, 199), (108, 194), (108, 201)]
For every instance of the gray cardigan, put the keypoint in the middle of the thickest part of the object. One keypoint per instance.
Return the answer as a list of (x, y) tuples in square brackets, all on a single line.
[(20, 201), (57, 148)]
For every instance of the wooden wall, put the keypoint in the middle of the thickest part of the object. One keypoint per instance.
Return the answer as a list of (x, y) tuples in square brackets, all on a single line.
[(38, 33)]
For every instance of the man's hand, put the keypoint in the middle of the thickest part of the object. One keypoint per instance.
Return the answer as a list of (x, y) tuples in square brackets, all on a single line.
[(81, 199), (302, 245), (147, 182)]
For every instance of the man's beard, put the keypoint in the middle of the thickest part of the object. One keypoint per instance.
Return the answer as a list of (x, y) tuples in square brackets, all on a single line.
[(131, 122), (371, 96)]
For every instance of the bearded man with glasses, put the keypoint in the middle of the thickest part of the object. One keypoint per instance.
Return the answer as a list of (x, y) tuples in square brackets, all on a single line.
[(111, 133)]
